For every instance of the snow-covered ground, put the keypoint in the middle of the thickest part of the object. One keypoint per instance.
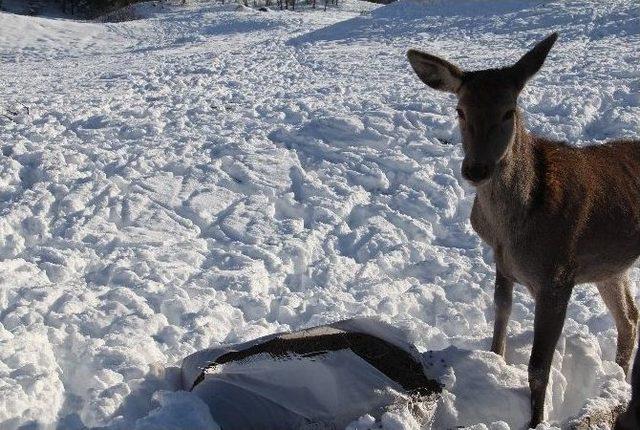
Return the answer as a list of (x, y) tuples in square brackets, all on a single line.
[(208, 176)]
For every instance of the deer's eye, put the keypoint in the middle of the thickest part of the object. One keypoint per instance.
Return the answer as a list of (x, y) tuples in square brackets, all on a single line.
[(460, 114), (510, 114)]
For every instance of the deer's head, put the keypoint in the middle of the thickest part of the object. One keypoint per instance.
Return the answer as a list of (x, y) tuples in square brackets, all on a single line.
[(486, 104)]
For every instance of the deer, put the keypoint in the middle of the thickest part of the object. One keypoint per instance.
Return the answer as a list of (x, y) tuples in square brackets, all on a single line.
[(555, 215)]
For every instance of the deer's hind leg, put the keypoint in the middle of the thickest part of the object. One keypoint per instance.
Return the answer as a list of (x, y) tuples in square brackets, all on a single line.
[(616, 294)]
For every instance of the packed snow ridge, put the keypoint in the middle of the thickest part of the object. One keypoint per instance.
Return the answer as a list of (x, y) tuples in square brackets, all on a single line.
[(206, 176)]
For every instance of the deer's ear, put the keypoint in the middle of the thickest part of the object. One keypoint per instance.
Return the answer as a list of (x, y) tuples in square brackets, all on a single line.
[(531, 62), (435, 72)]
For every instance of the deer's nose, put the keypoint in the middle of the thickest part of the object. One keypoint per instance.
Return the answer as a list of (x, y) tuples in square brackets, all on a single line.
[(476, 172)]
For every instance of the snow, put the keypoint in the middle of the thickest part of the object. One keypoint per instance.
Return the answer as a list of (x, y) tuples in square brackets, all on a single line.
[(207, 176)]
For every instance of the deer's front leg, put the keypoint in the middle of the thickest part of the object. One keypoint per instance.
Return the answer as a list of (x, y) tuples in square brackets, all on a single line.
[(551, 309), (502, 301)]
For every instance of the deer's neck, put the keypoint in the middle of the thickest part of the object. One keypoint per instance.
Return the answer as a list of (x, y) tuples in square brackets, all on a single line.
[(511, 190)]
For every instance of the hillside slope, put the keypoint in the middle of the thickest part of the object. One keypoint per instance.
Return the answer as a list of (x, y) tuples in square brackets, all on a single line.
[(207, 176)]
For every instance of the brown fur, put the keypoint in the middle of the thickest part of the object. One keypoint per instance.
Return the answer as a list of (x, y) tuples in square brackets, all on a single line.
[(555, 215)]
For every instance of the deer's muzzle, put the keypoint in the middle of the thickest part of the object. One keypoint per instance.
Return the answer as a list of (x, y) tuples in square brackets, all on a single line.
[(476, 173)]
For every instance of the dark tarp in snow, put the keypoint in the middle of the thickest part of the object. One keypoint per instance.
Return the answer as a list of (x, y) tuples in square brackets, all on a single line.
[(324, 377)]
